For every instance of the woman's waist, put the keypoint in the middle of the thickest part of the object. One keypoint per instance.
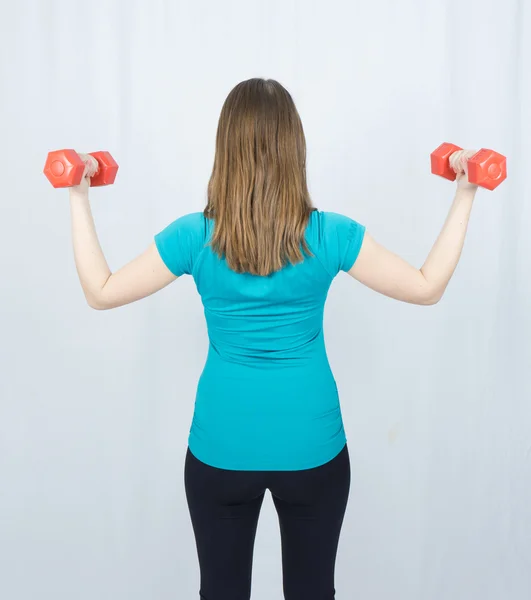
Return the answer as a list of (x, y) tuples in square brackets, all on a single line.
[(257, 420), (315, 381), (300, 394), (264, 354), (266, 365)]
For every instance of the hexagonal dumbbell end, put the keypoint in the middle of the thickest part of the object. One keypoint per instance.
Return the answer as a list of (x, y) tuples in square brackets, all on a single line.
[(64, 168), (107, 169), (440, 161), (487, 169)]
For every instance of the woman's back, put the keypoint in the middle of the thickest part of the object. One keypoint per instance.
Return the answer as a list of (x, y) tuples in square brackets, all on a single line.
[(267, 399)]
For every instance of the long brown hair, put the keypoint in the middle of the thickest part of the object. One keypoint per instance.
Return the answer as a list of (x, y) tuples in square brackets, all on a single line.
[(257, 193)]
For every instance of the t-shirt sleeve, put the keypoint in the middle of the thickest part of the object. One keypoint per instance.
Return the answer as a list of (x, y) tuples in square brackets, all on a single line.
[(342, 241), (180, 243)]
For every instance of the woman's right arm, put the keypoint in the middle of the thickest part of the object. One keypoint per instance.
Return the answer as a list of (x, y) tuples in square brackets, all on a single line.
[(388, 274), (141, 277)]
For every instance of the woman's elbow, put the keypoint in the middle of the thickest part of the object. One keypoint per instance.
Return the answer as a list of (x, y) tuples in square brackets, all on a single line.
[(95, 305), (429, 302), (97, 302), (431, 297)]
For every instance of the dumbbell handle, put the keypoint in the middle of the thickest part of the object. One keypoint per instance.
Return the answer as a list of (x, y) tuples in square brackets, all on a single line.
[(486, 168)]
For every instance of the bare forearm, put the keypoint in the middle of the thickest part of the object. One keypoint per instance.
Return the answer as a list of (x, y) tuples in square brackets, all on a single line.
[(444, 256), (90, 262)]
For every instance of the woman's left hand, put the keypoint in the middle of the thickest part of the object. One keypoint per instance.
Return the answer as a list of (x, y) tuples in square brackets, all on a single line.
[(459, 163)]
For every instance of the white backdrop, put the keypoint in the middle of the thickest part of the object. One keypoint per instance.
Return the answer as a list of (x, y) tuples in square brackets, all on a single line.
[(95, 407)]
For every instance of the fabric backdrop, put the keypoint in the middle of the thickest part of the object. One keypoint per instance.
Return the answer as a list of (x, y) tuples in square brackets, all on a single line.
[(95, 407)]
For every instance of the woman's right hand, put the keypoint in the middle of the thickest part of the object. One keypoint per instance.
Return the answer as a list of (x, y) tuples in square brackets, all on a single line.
[(91, 167), (459, 163)]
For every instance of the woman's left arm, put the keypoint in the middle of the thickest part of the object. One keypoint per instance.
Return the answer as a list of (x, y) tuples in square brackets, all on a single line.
[(143, 276)]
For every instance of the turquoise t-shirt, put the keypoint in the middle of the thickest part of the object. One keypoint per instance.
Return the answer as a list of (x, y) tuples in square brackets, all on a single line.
[(267, 398)]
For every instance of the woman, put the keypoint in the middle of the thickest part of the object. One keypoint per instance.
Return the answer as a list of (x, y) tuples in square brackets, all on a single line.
[(267, 413)]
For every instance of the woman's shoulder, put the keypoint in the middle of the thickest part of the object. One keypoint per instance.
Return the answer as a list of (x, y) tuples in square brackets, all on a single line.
[(193, 224), (335, 238), (324, 223), (193, 219)]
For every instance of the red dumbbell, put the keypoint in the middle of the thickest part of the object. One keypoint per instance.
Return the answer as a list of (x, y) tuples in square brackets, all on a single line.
[(64, 168), (486, 168)]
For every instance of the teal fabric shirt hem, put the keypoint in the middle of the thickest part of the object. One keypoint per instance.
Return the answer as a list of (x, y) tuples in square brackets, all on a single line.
[(281, 460)]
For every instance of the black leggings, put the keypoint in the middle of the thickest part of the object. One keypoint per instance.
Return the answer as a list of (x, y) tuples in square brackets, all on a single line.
[(224, 507)]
